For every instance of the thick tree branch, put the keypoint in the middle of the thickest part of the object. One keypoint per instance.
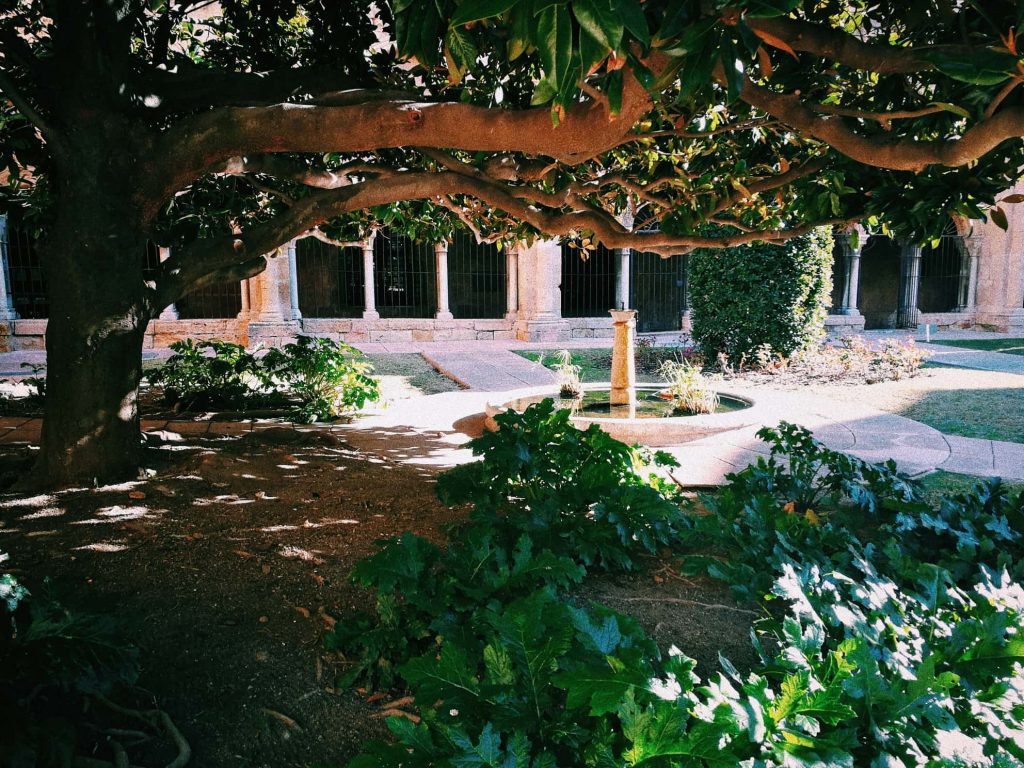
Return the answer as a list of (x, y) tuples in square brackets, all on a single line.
[(836, 45), (25, 107), (197, 145), (211, 256), (899, 155)]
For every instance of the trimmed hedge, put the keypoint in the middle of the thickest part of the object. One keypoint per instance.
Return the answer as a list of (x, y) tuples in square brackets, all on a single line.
[(761, 297)]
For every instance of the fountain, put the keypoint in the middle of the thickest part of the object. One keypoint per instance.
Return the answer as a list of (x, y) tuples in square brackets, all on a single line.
[(630, 412)]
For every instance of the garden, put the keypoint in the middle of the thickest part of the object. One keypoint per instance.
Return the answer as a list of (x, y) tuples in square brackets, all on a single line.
[(296, 553)]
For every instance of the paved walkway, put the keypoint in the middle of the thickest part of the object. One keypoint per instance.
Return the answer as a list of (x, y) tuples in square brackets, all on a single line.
[(496, 370)]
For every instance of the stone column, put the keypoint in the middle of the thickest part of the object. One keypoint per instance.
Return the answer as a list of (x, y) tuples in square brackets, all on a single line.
[(910, 281), (293, 283), (1000, 270), (7, 311), (270, 312), (441, 265), (622, 276), (245, 289), (623, 360), (170, 312), (369, 298), (539, 316), (851, 277), (511, 282)]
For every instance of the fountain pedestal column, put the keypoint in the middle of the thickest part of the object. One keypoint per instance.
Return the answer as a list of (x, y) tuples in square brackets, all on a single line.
[(623, 361)]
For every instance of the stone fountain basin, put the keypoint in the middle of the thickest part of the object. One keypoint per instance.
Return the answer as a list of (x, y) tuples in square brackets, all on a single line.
[(655, 432)]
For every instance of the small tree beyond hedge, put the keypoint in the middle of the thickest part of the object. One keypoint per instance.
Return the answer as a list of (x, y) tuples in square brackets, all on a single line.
[(761, 297)]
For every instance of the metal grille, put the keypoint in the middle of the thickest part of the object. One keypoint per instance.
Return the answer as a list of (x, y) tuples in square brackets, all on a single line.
[(218, 301), (404, 276), (151, 259), (658, 287), (944, 275), (476, 278), (330, 279), (25, 274), (588, 286)]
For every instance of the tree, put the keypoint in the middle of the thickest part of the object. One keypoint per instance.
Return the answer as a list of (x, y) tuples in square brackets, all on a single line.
[(225, 129)]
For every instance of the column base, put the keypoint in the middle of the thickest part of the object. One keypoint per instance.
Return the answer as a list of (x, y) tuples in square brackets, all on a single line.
[(371, 315), (543, 329), (444, 316), (844, 324), (273, 333), (1010, 320)]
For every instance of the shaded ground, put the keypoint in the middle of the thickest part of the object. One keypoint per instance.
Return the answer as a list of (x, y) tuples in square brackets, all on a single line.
[(227, 566)]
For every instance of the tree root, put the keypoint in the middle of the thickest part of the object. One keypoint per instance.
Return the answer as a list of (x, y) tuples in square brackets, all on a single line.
[(155, 720), (679, 601)]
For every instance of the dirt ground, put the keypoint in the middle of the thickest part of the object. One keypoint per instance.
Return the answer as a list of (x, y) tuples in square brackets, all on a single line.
[(226, 568)]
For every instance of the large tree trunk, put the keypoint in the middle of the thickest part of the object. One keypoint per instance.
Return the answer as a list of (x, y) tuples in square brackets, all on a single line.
[(93, 256), (94, 361)]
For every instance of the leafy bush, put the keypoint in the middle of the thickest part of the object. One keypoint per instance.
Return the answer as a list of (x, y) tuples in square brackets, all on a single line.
[(880, 655), (757, 296), (50, 660), (210, 374), (549, 503), (325, 375), (322, 378)]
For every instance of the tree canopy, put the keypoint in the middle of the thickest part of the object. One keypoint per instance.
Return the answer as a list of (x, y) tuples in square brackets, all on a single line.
[(261, 119)]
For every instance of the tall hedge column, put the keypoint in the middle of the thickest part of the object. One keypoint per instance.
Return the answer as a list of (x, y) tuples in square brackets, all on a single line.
[(910, 281)]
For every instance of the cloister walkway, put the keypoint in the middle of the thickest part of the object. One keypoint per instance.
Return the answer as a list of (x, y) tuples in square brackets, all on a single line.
[(432, 430)]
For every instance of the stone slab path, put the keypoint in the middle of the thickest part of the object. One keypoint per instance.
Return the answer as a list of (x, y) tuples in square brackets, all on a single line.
[(495, 370)]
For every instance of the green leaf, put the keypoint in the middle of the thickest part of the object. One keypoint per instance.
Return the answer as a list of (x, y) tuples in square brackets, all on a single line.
[(600, 20), (978, 67), (633, 19), (476, 10), (601, 688), (554, 44), (613, 88)]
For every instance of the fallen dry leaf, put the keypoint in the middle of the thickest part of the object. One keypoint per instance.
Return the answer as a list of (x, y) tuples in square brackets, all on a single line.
[(264, 619), (136, 495), (304, 612), (243, 554), (283, 719), (398, 713)]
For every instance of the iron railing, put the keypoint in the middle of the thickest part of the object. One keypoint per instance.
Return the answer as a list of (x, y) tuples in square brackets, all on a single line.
[(658, 288), (330, 279), (476, 278), (405, 276)]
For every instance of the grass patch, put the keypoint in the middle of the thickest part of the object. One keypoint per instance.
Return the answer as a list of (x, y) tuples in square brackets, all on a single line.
[(938, 484), (595, 364), (1006, 346), (410, 371), (991, 414)]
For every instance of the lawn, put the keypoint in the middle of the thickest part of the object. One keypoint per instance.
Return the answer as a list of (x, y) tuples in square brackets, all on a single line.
[(936, 485), (1006, 346)]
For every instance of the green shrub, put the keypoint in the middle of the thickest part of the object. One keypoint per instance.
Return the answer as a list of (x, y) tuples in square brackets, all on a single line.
[(51, 661), (326, 376), (879, 655), (768, 297), (322, 379), (212, 374)]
